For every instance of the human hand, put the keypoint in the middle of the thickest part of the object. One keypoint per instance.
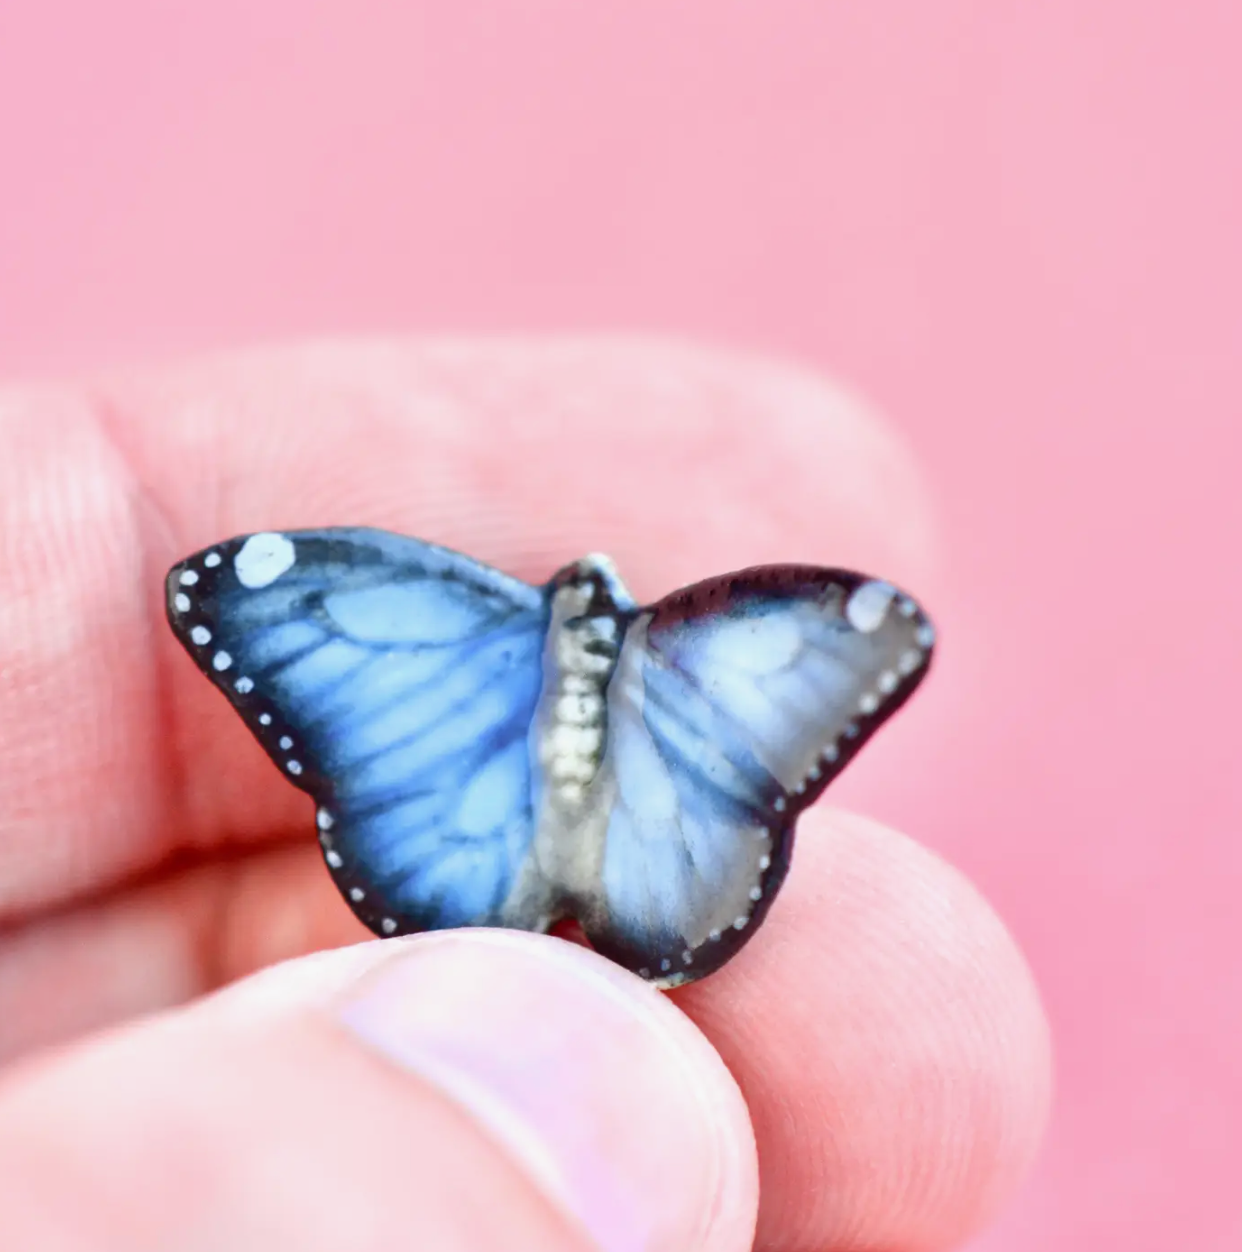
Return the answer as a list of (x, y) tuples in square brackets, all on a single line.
[(885, 1061)]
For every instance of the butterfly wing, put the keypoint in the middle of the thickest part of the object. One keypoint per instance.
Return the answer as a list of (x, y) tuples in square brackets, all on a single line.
[(395, 682), (734, 703)]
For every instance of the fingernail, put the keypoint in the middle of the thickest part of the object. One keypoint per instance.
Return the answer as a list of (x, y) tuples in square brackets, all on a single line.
[(615, 1105)]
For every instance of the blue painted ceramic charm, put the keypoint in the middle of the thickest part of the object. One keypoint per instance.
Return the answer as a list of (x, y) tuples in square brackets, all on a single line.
[(482, 752)]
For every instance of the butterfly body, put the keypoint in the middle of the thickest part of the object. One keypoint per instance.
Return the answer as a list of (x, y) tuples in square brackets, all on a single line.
[(483, 752)]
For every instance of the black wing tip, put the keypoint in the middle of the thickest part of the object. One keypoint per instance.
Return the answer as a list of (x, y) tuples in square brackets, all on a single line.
[(195, 579), (191, 581), (790, 580)]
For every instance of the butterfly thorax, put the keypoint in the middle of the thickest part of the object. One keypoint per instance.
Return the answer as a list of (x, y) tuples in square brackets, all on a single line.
[(588, 610), (583, 643)]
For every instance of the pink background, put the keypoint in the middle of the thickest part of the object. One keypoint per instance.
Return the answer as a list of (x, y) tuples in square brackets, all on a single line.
[(1017, 227)]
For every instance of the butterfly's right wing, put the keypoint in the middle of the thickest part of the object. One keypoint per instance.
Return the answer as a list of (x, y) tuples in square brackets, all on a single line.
[(395, 682), (732, 706)]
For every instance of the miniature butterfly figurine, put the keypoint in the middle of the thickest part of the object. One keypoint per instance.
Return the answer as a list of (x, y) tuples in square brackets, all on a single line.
[(483, 752)]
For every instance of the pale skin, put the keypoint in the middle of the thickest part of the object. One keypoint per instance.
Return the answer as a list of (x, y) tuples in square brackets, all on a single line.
[(877, 1055)]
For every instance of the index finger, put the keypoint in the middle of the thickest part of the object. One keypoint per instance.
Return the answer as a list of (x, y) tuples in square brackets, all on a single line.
[(679, 463)]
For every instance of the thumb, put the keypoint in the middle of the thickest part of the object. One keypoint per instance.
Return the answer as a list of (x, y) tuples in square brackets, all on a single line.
[(454, 1090)]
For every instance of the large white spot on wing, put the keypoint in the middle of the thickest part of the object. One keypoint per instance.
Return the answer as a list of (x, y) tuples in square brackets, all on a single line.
[(868, 604), (263, 559)]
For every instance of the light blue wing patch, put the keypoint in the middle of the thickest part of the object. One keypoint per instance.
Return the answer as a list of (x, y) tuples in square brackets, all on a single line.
[(734, 703), (395, 682)]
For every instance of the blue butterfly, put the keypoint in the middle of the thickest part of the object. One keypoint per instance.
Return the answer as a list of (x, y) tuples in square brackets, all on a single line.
[(483, 752)]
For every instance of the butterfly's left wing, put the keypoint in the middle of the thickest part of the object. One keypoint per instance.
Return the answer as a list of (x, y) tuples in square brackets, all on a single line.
[(733, 705), (395, 682)]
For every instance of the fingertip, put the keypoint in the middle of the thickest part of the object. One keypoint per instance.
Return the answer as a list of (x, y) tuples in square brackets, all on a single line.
[(610, 1097), (891, 1044), (769, 460)]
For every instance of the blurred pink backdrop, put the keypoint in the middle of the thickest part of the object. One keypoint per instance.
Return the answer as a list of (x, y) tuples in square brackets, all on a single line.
[(1017, 227)]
